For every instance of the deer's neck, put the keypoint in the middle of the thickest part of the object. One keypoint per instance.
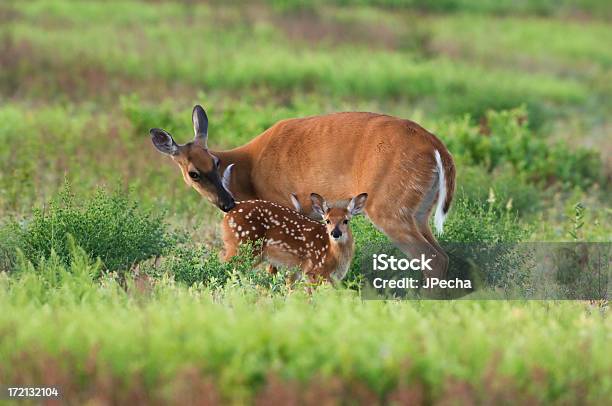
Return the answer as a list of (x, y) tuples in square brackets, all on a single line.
[(339, 257), (241, 184)]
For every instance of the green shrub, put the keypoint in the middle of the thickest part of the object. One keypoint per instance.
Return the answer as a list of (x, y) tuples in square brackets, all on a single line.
[(192, 265), (505, 138), (7, 248), (512, 189), (108, 226), (481, 241), (578, 266), (478, 221), (189, 265), (53, 274)]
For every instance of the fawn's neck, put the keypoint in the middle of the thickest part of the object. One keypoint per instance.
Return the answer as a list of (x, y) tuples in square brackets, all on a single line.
[(339, 256)]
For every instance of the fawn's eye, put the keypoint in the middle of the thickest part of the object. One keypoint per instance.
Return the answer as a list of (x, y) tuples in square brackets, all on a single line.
[(345, 221), (194, 175), (328, 222)]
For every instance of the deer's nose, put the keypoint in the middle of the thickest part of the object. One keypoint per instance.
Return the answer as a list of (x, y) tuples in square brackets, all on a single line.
[(228, 206), (336, 233)]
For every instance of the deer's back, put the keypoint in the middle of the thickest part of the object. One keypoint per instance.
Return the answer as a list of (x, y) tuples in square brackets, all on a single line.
[(277, 228), (341, 155)]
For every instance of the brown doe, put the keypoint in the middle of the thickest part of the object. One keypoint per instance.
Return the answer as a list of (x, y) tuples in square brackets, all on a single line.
[(323, 252), (406, 170)]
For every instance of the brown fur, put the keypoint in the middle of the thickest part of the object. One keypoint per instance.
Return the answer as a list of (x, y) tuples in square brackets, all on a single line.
[(340, 155), (288, 238)]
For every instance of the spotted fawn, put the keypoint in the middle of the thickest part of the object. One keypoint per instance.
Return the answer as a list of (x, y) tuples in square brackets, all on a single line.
[(322, 251)]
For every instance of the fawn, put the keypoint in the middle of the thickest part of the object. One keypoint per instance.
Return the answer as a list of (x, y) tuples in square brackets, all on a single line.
[(289, 238)]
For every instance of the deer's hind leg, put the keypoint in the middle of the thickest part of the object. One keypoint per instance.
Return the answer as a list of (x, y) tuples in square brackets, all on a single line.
[(404, 230), (401, 210), (421, 219)]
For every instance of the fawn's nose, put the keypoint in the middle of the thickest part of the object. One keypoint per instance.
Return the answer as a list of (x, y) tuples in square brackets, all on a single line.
[(336, 233)]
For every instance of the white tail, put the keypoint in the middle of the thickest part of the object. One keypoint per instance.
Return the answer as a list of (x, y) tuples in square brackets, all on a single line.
[(440, 216), (290, 239)]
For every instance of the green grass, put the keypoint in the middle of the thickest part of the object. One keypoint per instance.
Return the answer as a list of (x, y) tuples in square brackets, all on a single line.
[(568, 44), (563, 8), (249, 338), (160, 50)]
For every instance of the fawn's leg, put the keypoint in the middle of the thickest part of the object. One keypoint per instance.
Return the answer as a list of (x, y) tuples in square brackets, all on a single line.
[(272, 270), (230, 247)]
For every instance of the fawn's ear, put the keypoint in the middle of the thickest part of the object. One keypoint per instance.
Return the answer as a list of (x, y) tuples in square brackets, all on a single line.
[(357, 204), (319, 205), (295, 202), (227, 177), (200, 125), (163, 141)]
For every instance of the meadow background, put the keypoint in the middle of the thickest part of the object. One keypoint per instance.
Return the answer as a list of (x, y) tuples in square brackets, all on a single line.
[(110, 285)]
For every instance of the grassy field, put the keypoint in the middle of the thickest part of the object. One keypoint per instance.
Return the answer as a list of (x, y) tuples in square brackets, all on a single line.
[(110, 285)]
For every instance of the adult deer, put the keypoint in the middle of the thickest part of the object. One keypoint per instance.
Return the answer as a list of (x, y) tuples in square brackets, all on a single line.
[(404, 169)]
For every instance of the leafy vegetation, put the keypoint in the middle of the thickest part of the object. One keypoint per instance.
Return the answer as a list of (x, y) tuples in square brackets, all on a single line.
[(243, 344), (500, 7), (504, 137), (109, 227)]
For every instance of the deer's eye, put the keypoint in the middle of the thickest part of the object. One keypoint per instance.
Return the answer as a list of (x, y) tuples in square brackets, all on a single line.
[(345, 221), (194, 175), (328, 222)]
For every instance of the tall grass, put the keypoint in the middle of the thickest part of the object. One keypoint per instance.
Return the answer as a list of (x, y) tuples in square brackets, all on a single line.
[(245, 343)]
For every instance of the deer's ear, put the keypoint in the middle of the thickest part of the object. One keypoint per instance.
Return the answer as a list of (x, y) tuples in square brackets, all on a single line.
[(227, 178), (163, 141), (319, 205), (357, 204), (200, 125), (295, 202)]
